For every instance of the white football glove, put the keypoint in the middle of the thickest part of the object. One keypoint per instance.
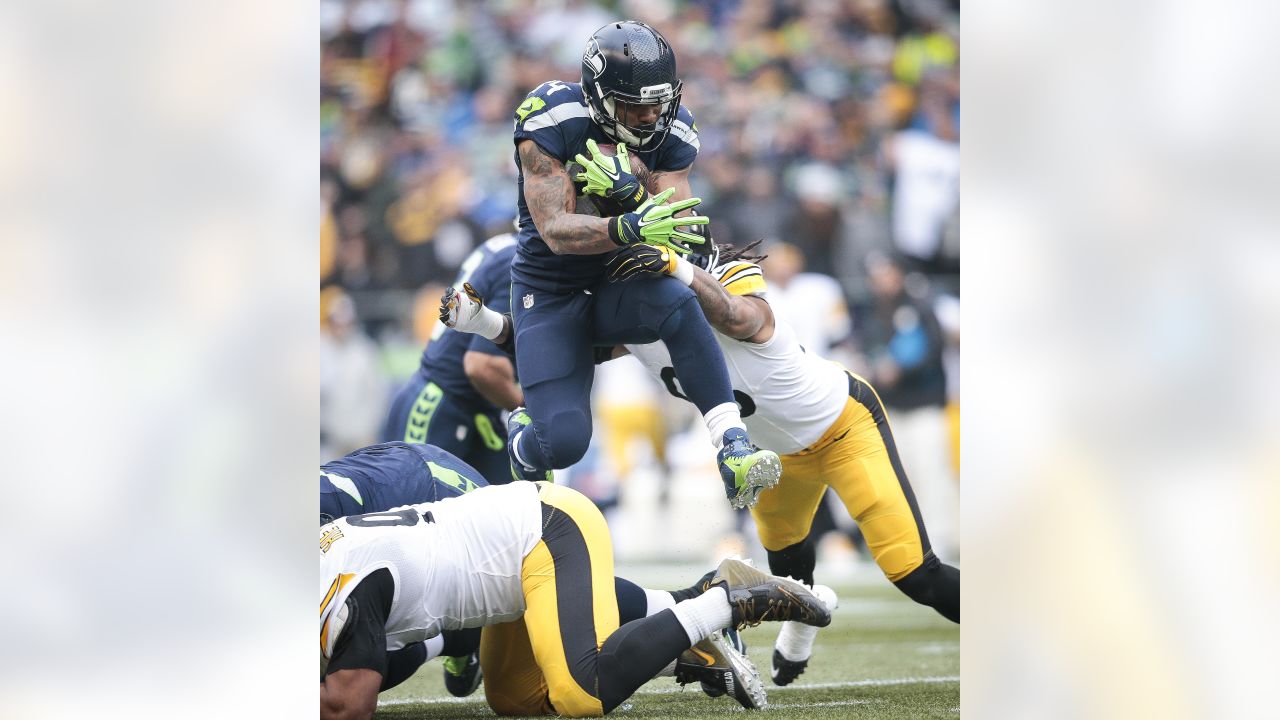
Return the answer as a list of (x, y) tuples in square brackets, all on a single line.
[(465, 311)]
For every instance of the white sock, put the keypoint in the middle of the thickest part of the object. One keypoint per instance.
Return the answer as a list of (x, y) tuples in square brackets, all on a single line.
[(704, 614), (720, 419), (435, 646), (795, 640), (658, 600)]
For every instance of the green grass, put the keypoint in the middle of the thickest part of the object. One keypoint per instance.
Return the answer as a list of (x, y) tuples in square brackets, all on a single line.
[(882, 657)]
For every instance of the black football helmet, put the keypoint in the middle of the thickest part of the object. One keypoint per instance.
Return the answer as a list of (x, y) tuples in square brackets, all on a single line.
[(706, 255), (630, 62)]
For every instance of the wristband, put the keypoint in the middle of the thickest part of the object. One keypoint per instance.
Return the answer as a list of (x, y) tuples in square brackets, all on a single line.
[(488, 323), (614, 231), (683, 270)]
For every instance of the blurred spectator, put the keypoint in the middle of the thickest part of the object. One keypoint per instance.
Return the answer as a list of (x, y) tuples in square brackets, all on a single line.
[(904, 342), (927, 46), (926, 165), (353, 391), (816, 223), (811, 303)]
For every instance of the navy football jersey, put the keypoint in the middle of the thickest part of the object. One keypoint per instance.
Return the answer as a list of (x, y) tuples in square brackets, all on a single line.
[(555, 116), (488, 269), (388, 475)]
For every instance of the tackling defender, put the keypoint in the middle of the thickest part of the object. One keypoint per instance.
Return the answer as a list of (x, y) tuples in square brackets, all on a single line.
[(532, 562), (828, 424), (381, 477), (561, 303)]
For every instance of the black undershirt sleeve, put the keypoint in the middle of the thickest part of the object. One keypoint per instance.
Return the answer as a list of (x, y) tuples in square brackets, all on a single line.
[(362, 643)]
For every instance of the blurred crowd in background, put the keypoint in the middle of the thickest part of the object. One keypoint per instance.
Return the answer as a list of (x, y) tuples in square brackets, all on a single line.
[(829, 128)]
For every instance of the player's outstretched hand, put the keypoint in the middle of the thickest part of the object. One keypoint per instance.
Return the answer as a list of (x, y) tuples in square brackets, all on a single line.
[(611, 177), (653, 223), (460, 310), (640, 259)]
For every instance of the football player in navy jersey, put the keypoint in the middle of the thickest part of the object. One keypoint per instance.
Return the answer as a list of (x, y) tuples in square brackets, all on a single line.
[(464, 382), (561, 303)]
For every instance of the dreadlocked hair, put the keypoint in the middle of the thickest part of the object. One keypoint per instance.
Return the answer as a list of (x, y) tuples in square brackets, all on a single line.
[(730, 253)]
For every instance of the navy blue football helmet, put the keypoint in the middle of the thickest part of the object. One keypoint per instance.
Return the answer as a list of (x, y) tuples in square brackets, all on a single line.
[(706, 255), (630, 62)]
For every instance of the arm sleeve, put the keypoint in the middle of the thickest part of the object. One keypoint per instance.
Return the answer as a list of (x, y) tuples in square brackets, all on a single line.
[(363, 643), (494, 285), (497, 294)]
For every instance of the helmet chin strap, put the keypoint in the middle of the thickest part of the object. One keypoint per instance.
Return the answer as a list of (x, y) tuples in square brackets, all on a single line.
[(621, 132), (630, 138)]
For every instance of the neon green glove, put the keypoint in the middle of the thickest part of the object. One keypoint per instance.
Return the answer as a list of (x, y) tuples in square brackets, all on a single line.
[(611, 177), (653, 223)]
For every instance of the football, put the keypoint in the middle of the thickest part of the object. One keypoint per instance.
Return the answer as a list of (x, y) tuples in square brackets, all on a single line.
[(596, 205)]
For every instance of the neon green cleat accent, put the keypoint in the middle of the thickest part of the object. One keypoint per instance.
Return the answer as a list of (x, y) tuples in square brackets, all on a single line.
[(745, 469), (462, 674), (516, 423)]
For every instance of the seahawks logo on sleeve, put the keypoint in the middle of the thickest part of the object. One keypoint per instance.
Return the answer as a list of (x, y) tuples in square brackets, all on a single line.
[(740, 278)]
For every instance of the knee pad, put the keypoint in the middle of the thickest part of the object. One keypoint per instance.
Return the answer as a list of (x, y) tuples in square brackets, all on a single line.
[(565, 438), (935, 585)]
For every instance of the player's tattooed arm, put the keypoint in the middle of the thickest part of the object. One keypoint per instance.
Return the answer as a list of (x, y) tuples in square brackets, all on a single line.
[(548, 191), (742, 317), (678, 179)]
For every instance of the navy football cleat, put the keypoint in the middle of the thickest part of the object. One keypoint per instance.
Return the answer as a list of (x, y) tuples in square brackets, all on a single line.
[(516, 423), (462, 674), (746, 469)]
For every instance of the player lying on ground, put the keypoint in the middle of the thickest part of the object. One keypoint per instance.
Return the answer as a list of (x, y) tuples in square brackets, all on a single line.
[(391, 475), (827, 423), (561, 302), (533, 564)]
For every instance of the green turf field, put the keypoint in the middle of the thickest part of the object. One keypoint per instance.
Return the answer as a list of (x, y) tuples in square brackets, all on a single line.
[(882, 657)]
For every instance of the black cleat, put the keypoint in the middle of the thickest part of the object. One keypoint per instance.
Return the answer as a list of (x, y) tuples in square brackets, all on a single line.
[(785, 671), (757, 596), (462, 674), (722, 670)]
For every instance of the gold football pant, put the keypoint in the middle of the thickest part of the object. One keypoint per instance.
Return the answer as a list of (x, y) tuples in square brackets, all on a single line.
[(857, 458), (545, 663)]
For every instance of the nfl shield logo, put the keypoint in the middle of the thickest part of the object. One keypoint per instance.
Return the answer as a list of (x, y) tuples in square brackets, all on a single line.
[(528, 301)]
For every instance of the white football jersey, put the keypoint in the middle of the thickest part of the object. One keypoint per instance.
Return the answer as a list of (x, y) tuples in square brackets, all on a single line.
[(456, 563), (788, 397)]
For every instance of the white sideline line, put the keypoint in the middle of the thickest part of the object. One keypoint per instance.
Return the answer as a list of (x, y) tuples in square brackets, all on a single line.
[(678, 689), (870, 683), (836, 703)]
